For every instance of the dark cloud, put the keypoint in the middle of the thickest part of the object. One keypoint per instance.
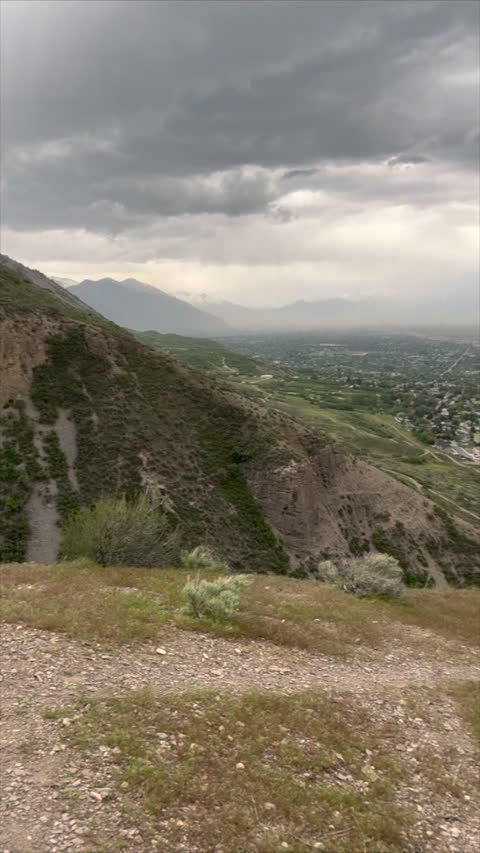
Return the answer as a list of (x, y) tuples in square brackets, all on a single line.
[(299, 173), (117, 112), (408, 160)]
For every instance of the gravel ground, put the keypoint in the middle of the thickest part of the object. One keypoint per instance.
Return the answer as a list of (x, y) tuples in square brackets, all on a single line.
[(54, 798)]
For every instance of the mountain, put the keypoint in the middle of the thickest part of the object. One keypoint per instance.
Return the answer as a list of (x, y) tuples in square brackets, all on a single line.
[(142, 307), (340, 312), (298, 315), (88, 410), (239, 317), (65, 282)]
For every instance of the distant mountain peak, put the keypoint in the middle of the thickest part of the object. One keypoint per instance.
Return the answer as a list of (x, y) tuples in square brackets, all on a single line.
[(143, 307)]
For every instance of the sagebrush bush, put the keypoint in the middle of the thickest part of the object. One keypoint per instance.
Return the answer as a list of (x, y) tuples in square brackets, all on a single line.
[(370, 575), (199, 558), (217, 599), (121, 532)]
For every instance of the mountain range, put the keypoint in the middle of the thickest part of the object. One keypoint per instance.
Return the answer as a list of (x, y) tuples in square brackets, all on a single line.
[(342, 312), (87, 410), (142, 307)]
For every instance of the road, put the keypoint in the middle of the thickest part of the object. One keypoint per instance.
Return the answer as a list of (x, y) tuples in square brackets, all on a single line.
[(463, 354)]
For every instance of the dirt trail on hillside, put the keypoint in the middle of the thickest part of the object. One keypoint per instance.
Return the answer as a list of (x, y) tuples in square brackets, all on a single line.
[(52, 667), (40, 811)]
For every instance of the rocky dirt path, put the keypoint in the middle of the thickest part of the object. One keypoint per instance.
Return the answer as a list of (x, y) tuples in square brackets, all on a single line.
[(52, 798)]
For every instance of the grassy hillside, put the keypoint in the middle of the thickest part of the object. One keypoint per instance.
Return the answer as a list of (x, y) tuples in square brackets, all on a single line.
[(353, 421), (122, 605), (201, 353)]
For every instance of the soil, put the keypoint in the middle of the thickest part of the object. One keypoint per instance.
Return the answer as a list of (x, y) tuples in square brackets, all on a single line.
[(54, 797)]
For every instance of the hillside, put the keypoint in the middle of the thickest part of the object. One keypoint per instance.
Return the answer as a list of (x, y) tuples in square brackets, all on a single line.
[(89, 410), (140, 306), (41, 280), (201, 353)]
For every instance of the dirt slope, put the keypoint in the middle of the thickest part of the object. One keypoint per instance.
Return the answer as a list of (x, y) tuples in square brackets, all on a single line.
[(89, 410)]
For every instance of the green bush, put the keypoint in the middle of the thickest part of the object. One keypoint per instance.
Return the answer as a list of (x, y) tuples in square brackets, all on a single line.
[(218, 599), (371, 575), (121, 532), (199, 558)]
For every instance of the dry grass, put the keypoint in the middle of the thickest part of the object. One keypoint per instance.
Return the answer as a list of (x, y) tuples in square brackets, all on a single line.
[(123, 605), (78, 601), (467, 697), (257, 773), (455, 613)]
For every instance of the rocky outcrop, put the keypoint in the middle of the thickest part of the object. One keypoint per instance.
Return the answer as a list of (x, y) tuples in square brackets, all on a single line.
[(22, 347), (334, 505)]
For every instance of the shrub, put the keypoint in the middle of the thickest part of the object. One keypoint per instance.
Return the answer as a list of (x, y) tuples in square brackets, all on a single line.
[(218, 599), (121, 532), (199, 558), (373, 574)]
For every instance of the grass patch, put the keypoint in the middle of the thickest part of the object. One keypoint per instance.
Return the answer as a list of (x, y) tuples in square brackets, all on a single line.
[(77, 600), (123, 605), (253, 772), (467, 697), (451, 612)]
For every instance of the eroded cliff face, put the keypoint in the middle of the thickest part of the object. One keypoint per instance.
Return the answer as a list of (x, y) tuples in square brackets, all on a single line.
[(334, 505), (22, 347)]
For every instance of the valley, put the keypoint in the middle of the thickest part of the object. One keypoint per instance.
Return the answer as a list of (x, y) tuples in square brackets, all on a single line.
[(309, 712), (384, 405), (259, 488)]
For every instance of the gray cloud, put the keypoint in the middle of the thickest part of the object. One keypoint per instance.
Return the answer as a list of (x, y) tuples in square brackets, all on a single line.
[(299, 173), (120, 116), (144, 84), (408, 160)]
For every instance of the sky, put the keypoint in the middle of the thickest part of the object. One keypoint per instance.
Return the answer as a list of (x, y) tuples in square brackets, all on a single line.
[(253, 151)]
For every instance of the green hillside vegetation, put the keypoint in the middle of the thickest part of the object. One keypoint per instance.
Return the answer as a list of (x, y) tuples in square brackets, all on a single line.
[(350, 417), (18, 294), (201, 353), (124, 398)]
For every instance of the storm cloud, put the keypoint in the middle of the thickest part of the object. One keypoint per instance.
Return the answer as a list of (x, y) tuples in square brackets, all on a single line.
[(186, 137)]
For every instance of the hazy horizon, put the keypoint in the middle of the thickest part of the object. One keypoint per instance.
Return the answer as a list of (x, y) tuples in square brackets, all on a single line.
[(299, 315), (257, 153)]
